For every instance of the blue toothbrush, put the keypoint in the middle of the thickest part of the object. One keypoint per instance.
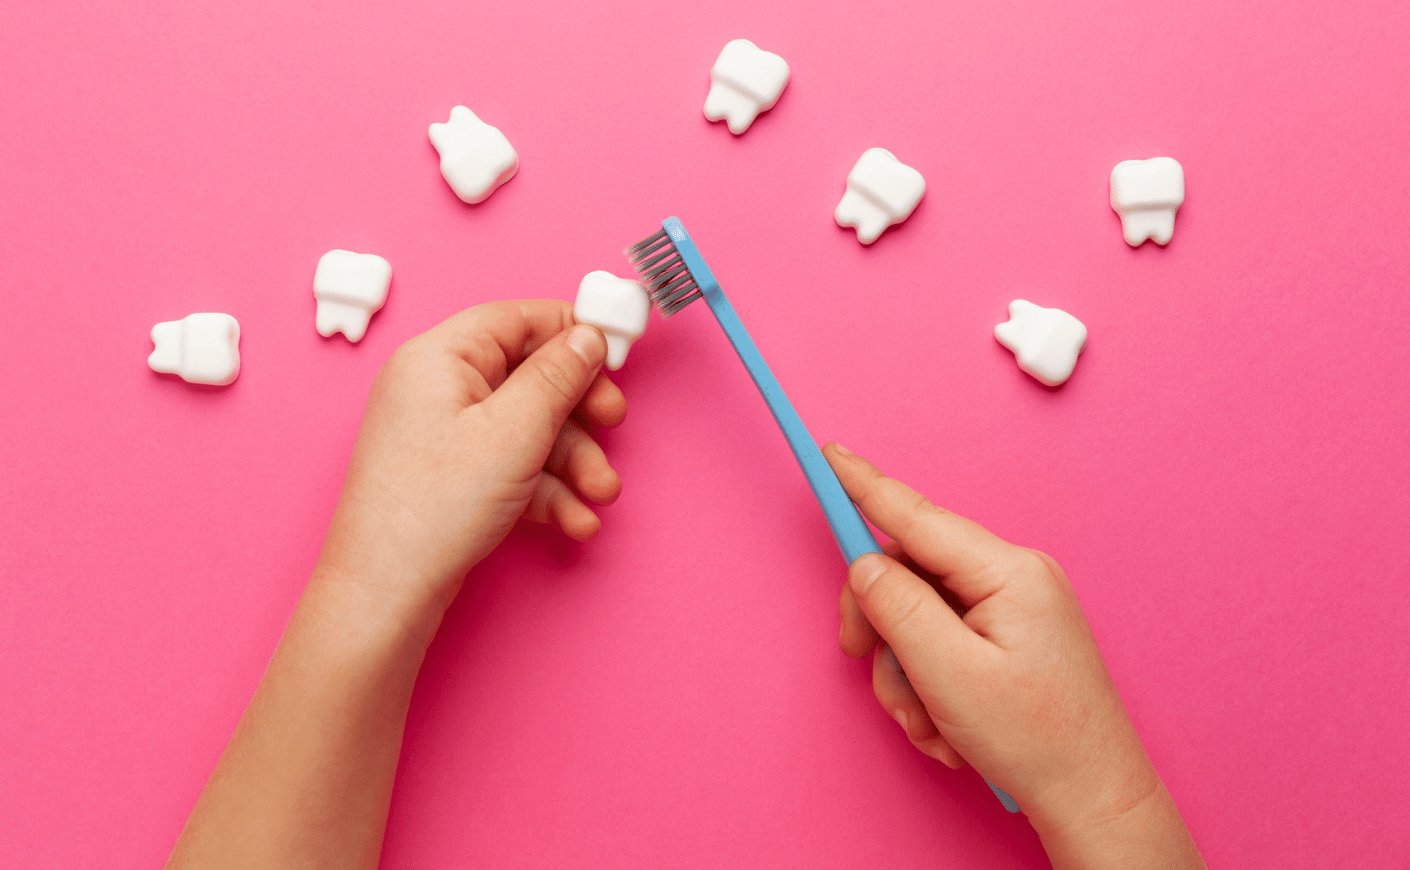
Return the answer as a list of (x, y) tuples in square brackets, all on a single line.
[(676, 275)]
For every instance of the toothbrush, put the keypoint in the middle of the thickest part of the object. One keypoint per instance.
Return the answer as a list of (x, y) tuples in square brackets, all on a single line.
[(675, 275)]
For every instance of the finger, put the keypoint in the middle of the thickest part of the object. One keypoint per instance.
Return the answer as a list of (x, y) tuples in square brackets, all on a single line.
[(929, 639), (554, 503), (537, 397), (896, 695), (604, 405), (578, 460), (495, 337), (897, 552), (857, 637), (972, 561)]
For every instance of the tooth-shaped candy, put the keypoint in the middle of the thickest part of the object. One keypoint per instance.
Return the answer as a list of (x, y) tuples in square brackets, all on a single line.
[(475, 157), (617, 306), (1147, 193), (744, 81), (349, 288), (201, 348), (1046, 341), (881, 191)]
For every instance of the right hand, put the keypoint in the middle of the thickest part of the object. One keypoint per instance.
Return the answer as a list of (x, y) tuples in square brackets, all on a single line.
[(982, 653)]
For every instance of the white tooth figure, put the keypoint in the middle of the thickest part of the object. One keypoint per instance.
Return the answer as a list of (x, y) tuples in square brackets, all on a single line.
[(1147, 193), (475, 157), (201, 348), (349, 288), (617, 306), (881, 191), (1046, 341), (745, 81)]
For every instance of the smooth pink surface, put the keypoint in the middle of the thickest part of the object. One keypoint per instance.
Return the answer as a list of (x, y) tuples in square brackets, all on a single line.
[(1225, 477)]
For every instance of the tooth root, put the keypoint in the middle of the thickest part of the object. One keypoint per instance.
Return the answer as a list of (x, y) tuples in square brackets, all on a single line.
[(745, 81), (334, 316), (863, 214), (881, 191), (1045, 341), (618, 306), (475, 157), (1157, 225), (735, 108), (349, 288), (166, 351), (617, 347), (202, 348), (1147, 194)]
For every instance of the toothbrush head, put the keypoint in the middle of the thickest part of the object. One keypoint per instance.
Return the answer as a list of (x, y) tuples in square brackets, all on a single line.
[(667, 263)]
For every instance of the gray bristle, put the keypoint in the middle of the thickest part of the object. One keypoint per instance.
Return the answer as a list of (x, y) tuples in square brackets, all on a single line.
[(661, 269)]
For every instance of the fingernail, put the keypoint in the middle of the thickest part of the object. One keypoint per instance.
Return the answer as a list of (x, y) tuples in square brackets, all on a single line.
[(588, 344), (843, 450), (865, 570), (901, 717)]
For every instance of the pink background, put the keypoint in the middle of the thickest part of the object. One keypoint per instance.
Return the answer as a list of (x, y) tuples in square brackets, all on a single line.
[(1225, 477)]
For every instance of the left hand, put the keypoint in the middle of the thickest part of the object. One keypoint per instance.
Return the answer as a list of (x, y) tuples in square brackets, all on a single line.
[(469, 426)]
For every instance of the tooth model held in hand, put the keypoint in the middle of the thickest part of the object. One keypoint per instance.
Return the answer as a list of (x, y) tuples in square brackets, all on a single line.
[(744, 81), (881, 191), (617, 306), (349, 288), (475, 157), (1046, 341), (1147, 193), (201, 348)]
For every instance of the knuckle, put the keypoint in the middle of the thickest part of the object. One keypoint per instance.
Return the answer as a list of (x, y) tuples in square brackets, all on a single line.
[(404, 355), (573, 449), (560, 377), (917, 503), (902, 606), (404, 362), (485, 355), (1038, 566), (1048, 563), (560, 453), (1037, 572), (883, 692), (918, 511)]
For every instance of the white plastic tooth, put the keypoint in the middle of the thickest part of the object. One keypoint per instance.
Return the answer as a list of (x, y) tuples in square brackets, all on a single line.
[(1045, 341), (881, 191), (202, 348), (475, 157), (350, 288), (745, 81), (1147, 194), (618, 306)]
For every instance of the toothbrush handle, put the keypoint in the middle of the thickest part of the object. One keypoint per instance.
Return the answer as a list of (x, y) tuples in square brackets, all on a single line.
[(848, 527), (847, 524)]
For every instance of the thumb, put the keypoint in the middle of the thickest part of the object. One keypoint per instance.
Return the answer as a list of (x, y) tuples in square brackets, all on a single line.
[(925, 634), (545, 388)]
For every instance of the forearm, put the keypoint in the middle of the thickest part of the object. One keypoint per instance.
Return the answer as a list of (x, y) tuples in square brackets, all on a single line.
[(306, 780)]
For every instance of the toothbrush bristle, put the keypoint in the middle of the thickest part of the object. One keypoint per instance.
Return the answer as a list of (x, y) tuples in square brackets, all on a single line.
[(664, 273)]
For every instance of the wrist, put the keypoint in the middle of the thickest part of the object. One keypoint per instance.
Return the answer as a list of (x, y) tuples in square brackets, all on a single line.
[(395, 616), (1129, 832)]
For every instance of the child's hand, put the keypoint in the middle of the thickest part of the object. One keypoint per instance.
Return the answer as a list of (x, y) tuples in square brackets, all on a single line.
[(983, 654), (468, 428)]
